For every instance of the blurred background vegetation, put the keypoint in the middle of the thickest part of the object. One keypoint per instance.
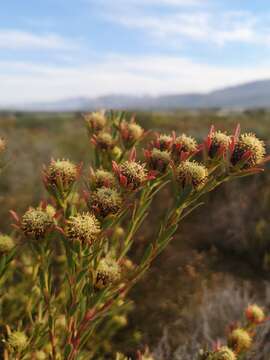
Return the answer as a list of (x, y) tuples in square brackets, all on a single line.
[(217, 264)]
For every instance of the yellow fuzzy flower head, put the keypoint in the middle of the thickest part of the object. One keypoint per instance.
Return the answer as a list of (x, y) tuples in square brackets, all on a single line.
[(105, 201), (224, 353), (6, 243), (130, 133), (107, 273), (163, 142), (220, 142), (132, 174), (158, 160), (191, 173), (102, 178), (40, 355), (254, 314), (104, 141), (248, 149), (183, 144), (239, 340), (36, 222), (95, 121), (17, 340), (84, 228), (61, 173)]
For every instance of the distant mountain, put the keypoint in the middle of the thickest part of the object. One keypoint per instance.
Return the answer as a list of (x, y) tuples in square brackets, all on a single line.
[(250, 95)]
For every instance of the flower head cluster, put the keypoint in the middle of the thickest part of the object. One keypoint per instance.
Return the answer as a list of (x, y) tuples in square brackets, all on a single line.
[(95, 121), (130, 133), (84, 228), (254, 314), (218, 144), (158, 160), (183, 147), (239, 340), (36, 223), (102, 178), (131, 174), (6, 243), (163, 142), (107, 273), (17, 340), (191, 173), (249, 151), (105, 201), (224, 353), (60, 174), (103, 141)]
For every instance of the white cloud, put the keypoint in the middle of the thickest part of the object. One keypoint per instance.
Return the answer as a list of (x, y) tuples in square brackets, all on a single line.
[(17, 39), (117, 74)]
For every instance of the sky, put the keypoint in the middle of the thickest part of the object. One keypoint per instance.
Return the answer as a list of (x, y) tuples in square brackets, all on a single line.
[(58, 49)]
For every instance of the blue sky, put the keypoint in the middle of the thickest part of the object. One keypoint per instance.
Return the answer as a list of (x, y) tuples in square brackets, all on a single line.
[(53, 49)]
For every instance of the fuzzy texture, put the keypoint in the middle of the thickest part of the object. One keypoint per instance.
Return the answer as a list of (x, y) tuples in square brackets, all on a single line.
[(107, 273), (191, 173), (239, 340), (102, 178), (61, 173), (95, 121), (183, 144), (105, 201), (84, 228), (254, 314), (224, 353), (36, 222), (163, 142), (104, 141), (17, 340), (220, 142), (6, 243), (248, 144), (134, 173), (130, 133), (159, 160)]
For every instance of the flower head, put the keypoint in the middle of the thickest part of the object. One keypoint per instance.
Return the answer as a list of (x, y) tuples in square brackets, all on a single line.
[(248, 150), (60, 174), (17, 340), (255, 314), (96, 121), (84, 228), (105, 201), (191, 173), (6, 243), (163, 142), (103, 141), (36, 223), (218, 143), (102, 178), (239, 340), (107, 273), (224, 353), (40, 355), (183, 147), (130, 133), (131, 174), (158, 160)]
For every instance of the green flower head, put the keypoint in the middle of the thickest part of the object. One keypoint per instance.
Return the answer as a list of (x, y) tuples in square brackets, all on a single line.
[(158, 160), (36, 223), (239, 340), (61, 173), (249, 148), (6, 243), (17, 340), (108, 272), (104, 141), (191, 173), (105, 201), (102, 178), (224, 353), (84, 228)]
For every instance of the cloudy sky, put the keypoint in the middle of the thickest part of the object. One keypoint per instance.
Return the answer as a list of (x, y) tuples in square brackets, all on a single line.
[(53, 49)]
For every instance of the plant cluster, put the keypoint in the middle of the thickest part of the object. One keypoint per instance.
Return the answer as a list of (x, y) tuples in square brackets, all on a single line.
[(71, 272)]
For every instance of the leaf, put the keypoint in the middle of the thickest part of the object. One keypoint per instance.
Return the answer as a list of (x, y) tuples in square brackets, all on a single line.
[(67, 350)]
